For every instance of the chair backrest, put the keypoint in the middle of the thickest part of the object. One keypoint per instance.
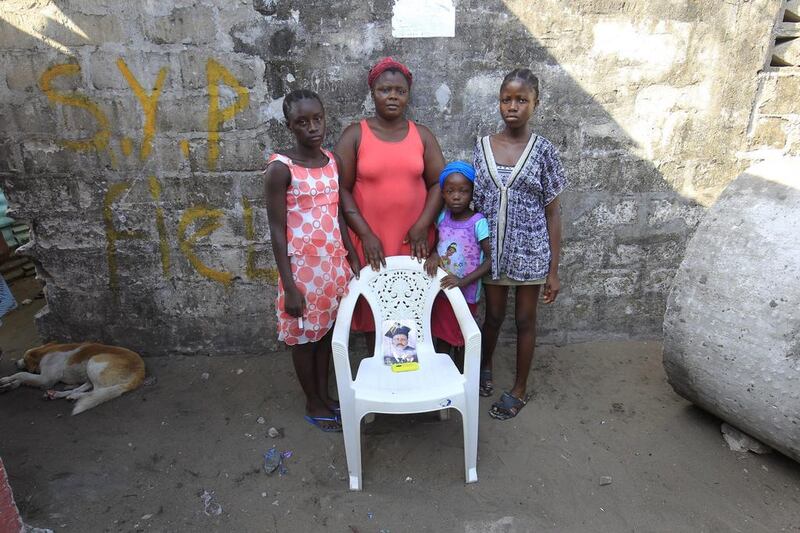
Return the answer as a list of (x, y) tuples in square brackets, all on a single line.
[(401, 291)]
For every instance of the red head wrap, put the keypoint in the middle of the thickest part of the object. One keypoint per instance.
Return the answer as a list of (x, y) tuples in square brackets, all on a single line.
[(385, 64)]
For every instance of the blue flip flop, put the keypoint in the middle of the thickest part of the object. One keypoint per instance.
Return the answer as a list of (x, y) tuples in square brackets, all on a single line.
[(508, 406), (315, 421)]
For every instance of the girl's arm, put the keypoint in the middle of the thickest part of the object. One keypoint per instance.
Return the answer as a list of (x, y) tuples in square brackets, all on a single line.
[(278, 180), (483, 269), (346, 150), (552, 213), (434, 163), (352, 256), (433, 260)]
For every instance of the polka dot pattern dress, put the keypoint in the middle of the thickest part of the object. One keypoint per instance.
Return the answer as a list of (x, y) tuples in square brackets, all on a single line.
[(316, 253)]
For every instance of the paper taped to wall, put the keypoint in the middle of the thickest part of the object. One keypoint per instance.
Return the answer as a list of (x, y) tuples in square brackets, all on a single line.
[(423, 18)]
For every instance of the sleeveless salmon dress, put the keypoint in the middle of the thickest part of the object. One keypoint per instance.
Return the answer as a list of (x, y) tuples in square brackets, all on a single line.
[(390, 192), (317, 254)]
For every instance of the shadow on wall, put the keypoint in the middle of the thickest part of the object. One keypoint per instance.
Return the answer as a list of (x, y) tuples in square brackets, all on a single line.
[(164, 199)]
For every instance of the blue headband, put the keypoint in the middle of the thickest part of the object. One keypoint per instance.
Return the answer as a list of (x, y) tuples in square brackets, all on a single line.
[(460, 167)]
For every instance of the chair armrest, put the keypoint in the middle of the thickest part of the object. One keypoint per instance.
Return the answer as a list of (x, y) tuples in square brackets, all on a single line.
[(340, 342), (471, 333)]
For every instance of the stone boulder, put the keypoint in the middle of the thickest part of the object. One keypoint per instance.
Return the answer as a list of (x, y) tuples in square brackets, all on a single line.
[(732, 324)]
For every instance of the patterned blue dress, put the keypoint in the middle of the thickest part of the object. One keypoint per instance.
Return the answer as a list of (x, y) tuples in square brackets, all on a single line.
[(514, 206)]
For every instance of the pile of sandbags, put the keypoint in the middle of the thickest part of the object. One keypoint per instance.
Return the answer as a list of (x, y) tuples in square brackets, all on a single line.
[(15, 233)]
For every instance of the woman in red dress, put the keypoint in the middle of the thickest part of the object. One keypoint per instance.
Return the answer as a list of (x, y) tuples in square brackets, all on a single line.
[(388, 179)]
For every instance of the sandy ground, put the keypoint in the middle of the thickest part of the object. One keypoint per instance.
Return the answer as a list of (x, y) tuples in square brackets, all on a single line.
[(142, 462)]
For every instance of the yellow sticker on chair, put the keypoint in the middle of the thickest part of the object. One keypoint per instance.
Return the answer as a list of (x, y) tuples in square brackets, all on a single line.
[(405, 367)]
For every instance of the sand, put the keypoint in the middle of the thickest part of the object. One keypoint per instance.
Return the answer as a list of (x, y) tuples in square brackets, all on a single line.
[(602, 412)]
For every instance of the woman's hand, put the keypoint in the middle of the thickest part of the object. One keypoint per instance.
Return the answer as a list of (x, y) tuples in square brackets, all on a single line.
[(432, 264), (450, 281), (355, 264), (293, 302), (551, 287), (417, 236), (373, 251)]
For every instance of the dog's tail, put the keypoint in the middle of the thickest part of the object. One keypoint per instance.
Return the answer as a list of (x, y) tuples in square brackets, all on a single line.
[(98, 396)]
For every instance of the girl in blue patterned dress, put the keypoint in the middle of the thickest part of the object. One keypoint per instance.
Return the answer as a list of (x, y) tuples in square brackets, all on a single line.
[(518, 179)]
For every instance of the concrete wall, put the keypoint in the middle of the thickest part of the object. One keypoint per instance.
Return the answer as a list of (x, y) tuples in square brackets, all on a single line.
[(774, 129), (132, 136)]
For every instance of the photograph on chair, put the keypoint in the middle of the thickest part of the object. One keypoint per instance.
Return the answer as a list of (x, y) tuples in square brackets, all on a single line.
[(399, 342)]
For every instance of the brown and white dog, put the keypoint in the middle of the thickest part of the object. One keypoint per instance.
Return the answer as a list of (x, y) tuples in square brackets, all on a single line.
[(99, 372)]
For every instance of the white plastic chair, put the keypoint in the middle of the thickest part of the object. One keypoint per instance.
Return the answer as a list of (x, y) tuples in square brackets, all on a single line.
[(400, 291)]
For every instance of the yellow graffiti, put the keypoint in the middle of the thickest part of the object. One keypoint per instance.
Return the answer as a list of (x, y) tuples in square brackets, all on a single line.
[(155, 193), (184, 144), (126, 145), (216, 73), (100, 139), (269, 275), (149, 103), (187, 244), (112, 234), (196, 222)]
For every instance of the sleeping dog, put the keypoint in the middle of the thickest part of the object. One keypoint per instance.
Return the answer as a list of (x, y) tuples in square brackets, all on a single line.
[(98, 372)]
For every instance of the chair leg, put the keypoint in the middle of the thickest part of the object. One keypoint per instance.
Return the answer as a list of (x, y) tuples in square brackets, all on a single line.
[(470, 421), (351, 428)]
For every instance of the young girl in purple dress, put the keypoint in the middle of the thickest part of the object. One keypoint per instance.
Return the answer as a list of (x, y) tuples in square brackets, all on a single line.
[(518, 177), (462, 250)]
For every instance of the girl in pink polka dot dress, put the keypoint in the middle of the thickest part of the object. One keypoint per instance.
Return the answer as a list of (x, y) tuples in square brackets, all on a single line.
[(314, 256)]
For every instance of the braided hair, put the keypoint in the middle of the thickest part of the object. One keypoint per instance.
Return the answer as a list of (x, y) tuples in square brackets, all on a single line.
[(297, 95), (525, 76)]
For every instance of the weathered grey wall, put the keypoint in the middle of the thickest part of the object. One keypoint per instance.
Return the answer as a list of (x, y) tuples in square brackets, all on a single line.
[(147, 205)]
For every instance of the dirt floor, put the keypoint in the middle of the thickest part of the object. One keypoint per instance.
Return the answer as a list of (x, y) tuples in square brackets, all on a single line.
[(143, 461)]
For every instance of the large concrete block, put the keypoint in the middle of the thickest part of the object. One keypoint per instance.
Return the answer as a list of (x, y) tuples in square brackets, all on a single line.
[(179, 114), (195, 25), (618, 173), (13, 34), (610, 282), (626, 254), (663, 211), (658, 281), (239, 153), (770, 132), (631, 317), (143, 67), (72, 268), (47, 26), (86, 233), (247, 71), (732, 325), (10, 157), (787, 52), (607, 215), (47, 157), (30, 117), (23, 70), (781, 96), (25, 193)]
